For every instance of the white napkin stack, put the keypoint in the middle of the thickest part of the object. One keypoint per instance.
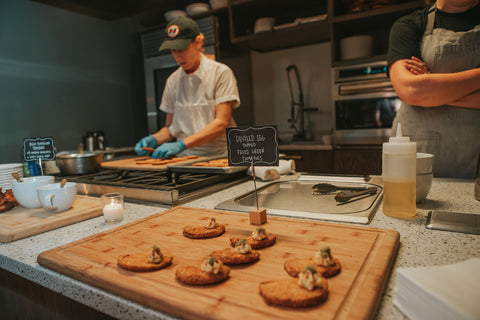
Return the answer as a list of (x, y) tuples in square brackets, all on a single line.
[(274, 172), (440, 292)]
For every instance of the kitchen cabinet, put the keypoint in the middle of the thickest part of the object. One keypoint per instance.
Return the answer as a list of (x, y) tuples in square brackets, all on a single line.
[(297, 23), (23, 299), (361, 160), (375, 22), (358, 160), (341, 22), (311, 161)]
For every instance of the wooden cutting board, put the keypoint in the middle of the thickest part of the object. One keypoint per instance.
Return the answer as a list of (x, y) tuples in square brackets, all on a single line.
[(131, 164), (21, 222), (366, 255)]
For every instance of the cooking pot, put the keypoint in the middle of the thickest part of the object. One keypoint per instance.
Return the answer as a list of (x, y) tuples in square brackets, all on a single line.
[(79, 163)]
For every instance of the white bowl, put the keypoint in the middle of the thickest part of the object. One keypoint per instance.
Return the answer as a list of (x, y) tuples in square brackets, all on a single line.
[(195, 9), (172, 14), (327, 139), (55, 198), (424, 162), (26, 192), (423, 185), (264, 24), (355, 47), (216, 4)]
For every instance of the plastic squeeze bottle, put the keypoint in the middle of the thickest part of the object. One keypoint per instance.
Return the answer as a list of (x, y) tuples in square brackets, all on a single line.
[(399, 176)]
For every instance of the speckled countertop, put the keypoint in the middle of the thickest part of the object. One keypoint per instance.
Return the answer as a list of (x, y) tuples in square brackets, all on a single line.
[(418, 247)]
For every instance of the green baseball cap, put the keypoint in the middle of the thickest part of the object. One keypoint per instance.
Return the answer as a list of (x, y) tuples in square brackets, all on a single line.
[(179, 33)]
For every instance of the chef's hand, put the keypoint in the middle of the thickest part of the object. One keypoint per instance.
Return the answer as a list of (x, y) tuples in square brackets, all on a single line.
[(169, 149), (416, 66), (148, 141)]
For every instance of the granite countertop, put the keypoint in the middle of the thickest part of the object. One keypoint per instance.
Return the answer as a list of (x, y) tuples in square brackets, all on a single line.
[(418, 247)]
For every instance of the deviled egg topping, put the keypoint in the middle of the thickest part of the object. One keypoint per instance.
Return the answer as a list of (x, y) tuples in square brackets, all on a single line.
[(242, 246), (211, 265), (156, 255), (259, 234), (212, 224), (324, 257), (309, 279)]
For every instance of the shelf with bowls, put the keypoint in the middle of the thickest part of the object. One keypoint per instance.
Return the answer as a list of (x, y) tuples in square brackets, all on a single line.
[(288, 24), (374, 23)]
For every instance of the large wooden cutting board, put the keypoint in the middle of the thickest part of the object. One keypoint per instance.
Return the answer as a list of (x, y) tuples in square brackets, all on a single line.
[(366, 255), (131, 164), (21, 222)]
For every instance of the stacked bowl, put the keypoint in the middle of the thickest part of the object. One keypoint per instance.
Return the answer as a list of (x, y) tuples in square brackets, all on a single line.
[(196, 9), (424, 175), (6, 171)]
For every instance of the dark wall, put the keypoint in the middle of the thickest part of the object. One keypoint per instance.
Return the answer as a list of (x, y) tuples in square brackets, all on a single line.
[(62, 74)]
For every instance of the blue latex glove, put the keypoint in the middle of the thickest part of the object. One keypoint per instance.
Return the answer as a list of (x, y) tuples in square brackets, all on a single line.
[(169, 149), (148, 141)]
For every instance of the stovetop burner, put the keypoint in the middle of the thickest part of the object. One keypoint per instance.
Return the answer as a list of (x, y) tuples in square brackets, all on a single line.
[(152, 187)]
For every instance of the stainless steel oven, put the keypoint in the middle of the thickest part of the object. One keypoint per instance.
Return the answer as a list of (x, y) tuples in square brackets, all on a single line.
[(365, 104), (158, 66)]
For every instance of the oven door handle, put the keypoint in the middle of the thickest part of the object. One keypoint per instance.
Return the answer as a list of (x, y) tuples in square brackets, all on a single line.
[(359, 88)]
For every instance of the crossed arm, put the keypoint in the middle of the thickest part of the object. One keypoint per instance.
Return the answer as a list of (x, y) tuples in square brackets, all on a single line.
[(415, 85)]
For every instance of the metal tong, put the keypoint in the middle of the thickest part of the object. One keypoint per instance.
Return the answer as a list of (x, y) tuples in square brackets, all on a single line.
[(327, 188), (348, 196)]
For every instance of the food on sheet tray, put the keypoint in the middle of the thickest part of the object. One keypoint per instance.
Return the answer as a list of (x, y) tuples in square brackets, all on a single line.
[(211, 271), (309, 290), (260, 238), (242, 253), (217, 163), (142, 262), (7, 200), (211, 230), (152, 161), (325, 264)]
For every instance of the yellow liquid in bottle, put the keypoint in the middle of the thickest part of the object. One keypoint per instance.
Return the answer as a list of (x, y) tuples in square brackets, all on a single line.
[(399, 199)]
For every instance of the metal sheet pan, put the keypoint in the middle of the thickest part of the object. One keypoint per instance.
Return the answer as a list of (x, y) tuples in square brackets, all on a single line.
[(187, 167), (294, 199)]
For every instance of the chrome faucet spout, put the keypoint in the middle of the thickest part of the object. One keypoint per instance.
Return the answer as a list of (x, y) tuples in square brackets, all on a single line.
[(297, 116)]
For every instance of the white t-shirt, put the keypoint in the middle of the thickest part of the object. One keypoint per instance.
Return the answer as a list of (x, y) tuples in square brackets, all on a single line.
[(192, 98)]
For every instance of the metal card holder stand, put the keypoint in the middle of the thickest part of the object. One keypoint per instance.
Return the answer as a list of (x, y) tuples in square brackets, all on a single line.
[(250, 144), (257, 216)]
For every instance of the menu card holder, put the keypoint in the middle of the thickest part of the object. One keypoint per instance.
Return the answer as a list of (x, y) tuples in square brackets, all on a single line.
[(253, 146), (258, 216)]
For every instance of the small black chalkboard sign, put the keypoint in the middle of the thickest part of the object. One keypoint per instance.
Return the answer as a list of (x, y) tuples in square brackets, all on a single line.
[(38, 148), (257, 144)]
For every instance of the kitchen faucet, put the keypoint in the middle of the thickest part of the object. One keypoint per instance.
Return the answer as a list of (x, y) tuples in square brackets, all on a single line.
[(300, 133)]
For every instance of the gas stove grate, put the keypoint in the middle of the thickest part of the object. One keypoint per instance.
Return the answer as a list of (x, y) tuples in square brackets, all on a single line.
[(153, 186)]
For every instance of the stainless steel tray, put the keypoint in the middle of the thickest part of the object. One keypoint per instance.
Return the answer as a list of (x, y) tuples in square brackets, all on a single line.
[(453, 221), (187, 167), (295, 199)]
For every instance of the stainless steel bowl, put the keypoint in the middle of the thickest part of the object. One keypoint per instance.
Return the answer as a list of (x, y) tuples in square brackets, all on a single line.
[(79, 163)]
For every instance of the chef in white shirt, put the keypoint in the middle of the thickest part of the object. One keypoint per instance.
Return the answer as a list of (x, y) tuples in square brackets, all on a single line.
[(198, 99)]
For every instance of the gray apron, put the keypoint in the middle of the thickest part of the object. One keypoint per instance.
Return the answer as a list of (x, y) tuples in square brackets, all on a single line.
[(450, 133)]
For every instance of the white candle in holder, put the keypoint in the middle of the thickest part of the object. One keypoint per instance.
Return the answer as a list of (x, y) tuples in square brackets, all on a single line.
[(113, 210)]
